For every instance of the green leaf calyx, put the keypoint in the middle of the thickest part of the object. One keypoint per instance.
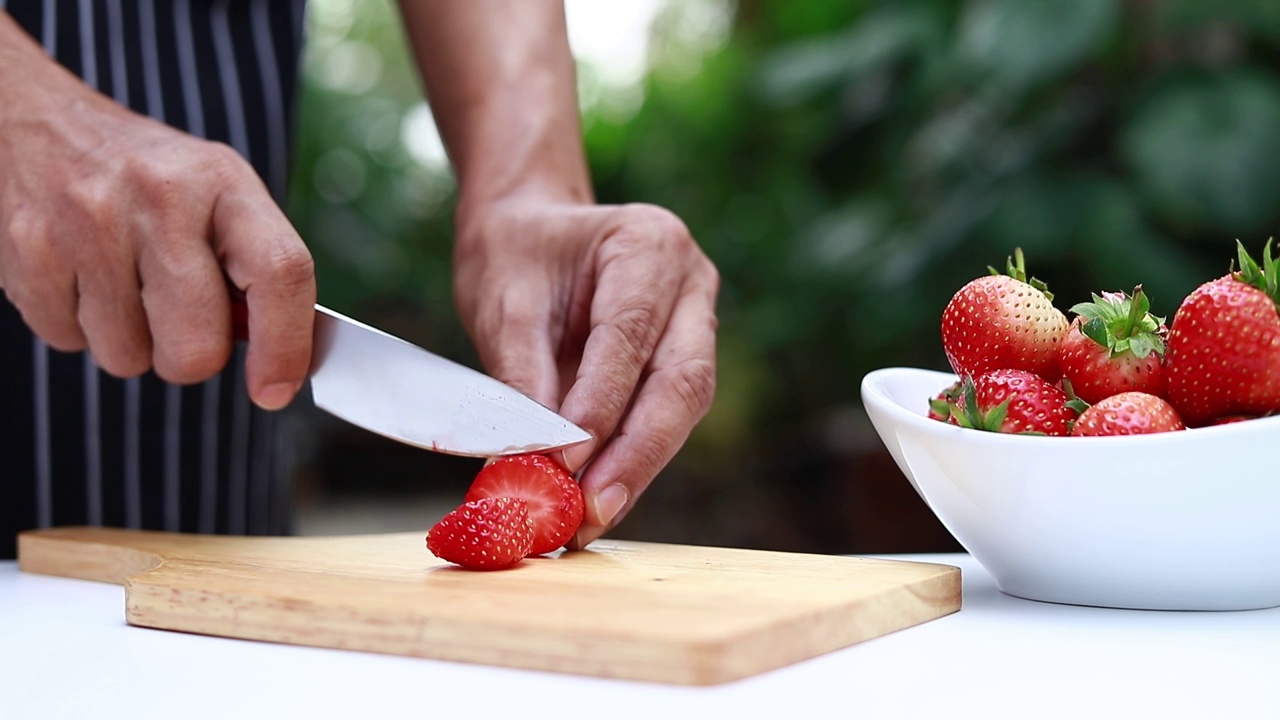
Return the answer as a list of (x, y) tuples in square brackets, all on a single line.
[(1122, 323), (1016, 268)]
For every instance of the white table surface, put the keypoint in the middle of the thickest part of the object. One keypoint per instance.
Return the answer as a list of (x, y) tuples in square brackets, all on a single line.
[(66, 652)]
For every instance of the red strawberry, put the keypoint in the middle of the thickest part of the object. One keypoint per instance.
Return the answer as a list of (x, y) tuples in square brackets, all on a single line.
[(1228, 419), (1003, 322), (1223, 353), (488, 534), (1128, 413), (1114, 345), (554, 498), (1013, 401)]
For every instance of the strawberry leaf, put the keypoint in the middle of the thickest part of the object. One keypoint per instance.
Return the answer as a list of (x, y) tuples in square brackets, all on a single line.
[(1267, 277), (969, 415), (1122, 323), (1096, 330), (1016, 268)]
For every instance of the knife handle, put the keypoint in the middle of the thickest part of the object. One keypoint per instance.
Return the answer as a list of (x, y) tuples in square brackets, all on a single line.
[(239, 315)]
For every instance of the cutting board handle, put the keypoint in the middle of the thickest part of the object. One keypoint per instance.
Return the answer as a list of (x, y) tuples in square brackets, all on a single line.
[(94, 553)]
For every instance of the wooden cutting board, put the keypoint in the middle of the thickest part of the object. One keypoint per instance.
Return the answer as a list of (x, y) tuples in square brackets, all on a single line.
[(644, 611)]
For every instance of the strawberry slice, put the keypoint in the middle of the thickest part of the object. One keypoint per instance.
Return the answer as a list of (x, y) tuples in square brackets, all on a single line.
[(554, 498), (488, 534)]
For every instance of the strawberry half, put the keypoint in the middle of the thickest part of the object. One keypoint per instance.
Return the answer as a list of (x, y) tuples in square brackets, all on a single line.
[(553, 496), (1114, 345), (1223, 353), (1128, 413), (1003, 321), (487, 534), (1013, 401)]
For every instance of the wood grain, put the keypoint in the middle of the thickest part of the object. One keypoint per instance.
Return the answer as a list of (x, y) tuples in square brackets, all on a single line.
[(643, 611)]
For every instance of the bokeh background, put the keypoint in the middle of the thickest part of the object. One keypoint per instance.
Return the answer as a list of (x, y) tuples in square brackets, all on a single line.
[(847, 165)]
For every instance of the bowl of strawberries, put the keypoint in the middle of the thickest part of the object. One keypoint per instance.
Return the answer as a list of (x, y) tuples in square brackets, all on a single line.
[(1101, 457)]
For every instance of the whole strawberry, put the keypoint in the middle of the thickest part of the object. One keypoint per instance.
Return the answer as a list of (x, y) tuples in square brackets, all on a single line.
[(1114, 345), (1003, 321), (1013, 401), (1128, 413), (487, 534), (940, 404), (1223, 355)]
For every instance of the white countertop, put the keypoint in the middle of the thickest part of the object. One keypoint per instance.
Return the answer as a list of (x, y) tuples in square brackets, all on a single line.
[(65, 652)]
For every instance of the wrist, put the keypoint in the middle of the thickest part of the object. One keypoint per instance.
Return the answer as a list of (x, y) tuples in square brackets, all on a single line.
[(477, 203)]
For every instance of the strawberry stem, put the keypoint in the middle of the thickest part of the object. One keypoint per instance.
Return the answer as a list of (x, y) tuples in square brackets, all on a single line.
[(1016, 268)]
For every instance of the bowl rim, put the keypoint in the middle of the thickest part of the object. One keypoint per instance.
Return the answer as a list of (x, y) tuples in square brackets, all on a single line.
[(874, 393)]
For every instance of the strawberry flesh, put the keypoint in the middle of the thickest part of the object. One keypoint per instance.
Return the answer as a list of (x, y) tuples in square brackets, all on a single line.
[(553, 497), (487, 534)]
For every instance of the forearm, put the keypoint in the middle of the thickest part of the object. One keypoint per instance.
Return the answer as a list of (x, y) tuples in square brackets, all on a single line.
[(501, 82)]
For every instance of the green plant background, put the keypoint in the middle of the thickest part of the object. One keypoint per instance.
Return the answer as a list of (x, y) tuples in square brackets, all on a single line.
[(847, 165)]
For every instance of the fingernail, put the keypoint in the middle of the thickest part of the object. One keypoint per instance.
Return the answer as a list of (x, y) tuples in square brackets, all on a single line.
[(277, 395), (609, 502), (578, 455)]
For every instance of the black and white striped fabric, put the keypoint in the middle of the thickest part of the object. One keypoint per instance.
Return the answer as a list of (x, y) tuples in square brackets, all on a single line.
[(78, 446)]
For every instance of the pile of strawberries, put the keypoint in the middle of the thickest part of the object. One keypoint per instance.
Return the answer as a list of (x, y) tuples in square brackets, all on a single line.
[(1113, 368), (518, 506)]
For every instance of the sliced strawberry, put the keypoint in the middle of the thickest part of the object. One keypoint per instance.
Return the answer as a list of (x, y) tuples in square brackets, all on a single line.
[(487, 534), (1128, 413), (554, 498)]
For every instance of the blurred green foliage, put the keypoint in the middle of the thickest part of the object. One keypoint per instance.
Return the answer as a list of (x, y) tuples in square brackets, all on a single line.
[(848, 165)]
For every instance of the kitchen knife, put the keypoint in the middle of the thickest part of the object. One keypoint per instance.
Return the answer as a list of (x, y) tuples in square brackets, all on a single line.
[(391, 387)]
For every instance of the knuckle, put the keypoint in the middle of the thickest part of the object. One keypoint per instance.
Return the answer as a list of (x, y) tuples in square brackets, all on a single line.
[(661, 222), (292, 266), (637, 330), (694, 383), (221, 159)]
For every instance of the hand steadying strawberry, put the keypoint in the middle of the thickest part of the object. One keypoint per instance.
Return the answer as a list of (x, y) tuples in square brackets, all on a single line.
[(1013, 401), (1223, 355), (1003, 321), (1114, 345), (555, 500), (1128, 413), (488, 534)]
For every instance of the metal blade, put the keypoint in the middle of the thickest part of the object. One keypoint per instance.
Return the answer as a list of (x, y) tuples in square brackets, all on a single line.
[(394, 388)]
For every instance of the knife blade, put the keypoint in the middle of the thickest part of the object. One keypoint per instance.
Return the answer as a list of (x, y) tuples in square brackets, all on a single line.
[(391, 387)]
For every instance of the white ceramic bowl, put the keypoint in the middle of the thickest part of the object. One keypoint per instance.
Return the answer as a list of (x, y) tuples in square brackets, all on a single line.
[(1172, 521)]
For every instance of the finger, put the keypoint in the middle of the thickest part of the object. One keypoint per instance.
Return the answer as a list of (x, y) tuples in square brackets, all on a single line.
[(675, 395), (112, 315), (188, 311), (514, 341), (635, 293), (265, 258), (48, 308), (37, 283)]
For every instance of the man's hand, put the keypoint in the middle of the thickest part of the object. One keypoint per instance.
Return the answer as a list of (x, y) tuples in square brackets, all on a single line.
[(606, 313), (116, 232)]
